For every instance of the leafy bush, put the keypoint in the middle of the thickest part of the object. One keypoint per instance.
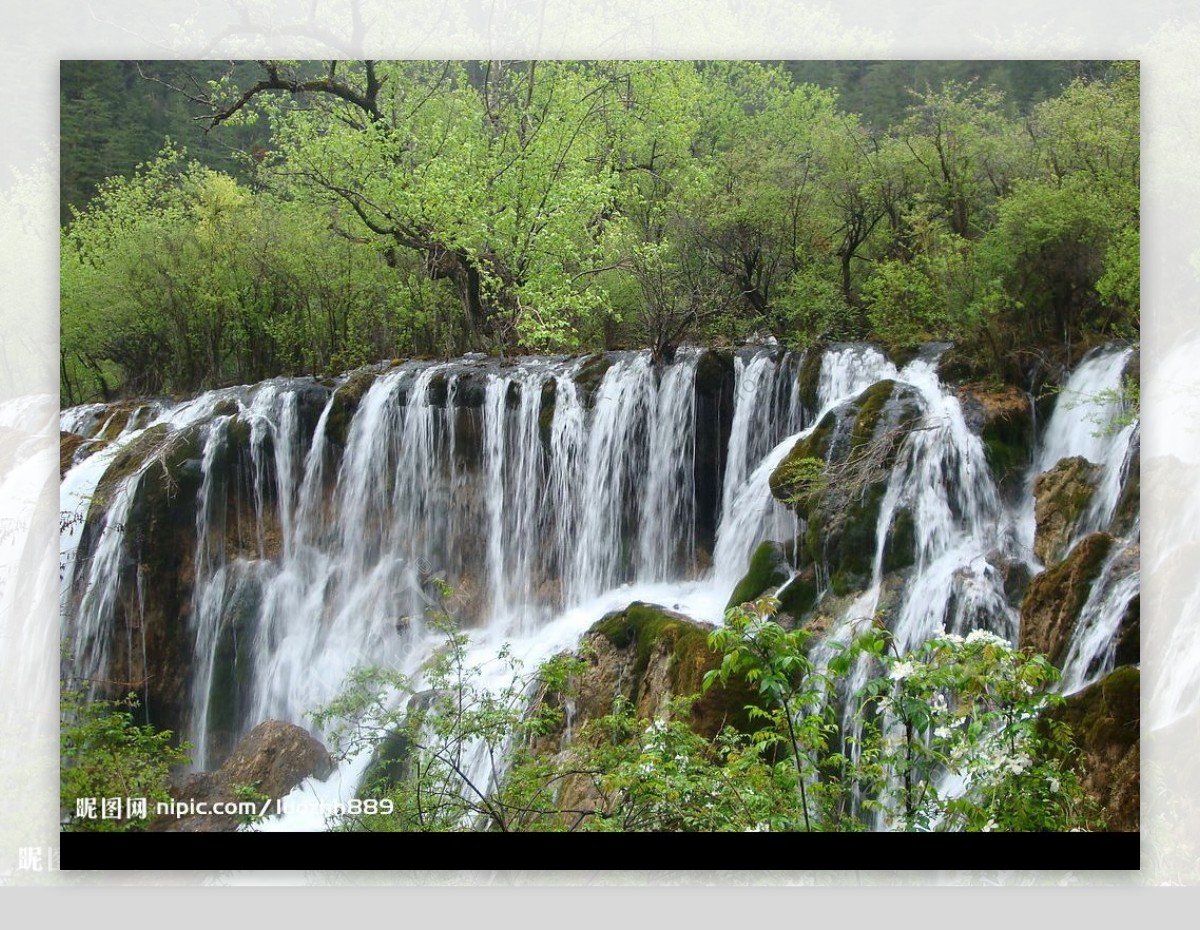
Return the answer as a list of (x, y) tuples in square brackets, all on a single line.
[(107, 756)]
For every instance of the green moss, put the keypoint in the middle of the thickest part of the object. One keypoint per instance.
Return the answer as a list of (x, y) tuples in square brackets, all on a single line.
[(118, 419), (1008, 438), (902, 355), (388, 766), (768, 569), (784, 482), (1003, 458), (126, 462), (648, 628), (871, 404), (799, 596), (1107, 713), (345, 404), (644, 626), (900, 549), (809, 377), (855, 551), (589, 376)]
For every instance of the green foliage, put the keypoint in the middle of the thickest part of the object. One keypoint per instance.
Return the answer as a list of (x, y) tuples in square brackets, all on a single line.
[(776, 660), (415, 207), (445, 730), (960, 739), (106, 755), (660, 775), (952, 735)]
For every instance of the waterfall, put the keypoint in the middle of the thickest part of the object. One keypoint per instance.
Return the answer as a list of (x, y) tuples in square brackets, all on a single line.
[(542, 493), (1086, 422)]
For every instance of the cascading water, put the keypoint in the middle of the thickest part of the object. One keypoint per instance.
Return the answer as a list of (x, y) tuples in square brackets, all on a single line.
[(1090, 420), (544, 494)]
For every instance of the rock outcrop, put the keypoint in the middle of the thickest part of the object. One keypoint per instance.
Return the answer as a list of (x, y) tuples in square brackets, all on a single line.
[(1062, 496), (269, 762), (1105, 718), (644, 655), (1055, 597)]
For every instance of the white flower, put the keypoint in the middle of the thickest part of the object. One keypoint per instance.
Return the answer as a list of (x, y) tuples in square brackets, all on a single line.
[(989, 826), (983, 636), (942, 732), (900, 671), (1055, 784)]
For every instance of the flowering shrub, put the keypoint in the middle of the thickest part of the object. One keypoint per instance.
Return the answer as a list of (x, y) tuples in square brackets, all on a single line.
[(962, 738)]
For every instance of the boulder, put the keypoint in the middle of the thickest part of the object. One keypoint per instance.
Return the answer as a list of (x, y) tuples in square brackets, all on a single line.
[(840, 501), (270, 760), (1054, 599), (68, 445), (768, 569), (1062, 496)]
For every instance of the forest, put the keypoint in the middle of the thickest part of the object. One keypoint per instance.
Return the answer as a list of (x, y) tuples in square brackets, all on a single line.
[(602, 446), (319, 217)]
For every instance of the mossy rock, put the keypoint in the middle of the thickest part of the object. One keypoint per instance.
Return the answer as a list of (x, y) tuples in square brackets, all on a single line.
[(389, 766), (68, 445), (784, 482), (346, 401), (870, 404), (769, 568), (809, 377), (1129, 643), (713, 370), (851, 555), (658, 637), (233, 667), (1105, 718), (117, 419), (1062, 496), (1002, 416), (589, 376), (799, 596), (546, 410), (1128, 509), (439, 389), (1055, 597), (126, 462), (900, 547)]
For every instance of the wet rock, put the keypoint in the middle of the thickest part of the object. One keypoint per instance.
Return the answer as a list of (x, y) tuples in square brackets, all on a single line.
[(1062, 494), (1002, 416), (271, 760), (645, 655), (68, 445), (1055, 597), (345, 404), (1105, 718), (835, 479), (714, 416), (769, 568)]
